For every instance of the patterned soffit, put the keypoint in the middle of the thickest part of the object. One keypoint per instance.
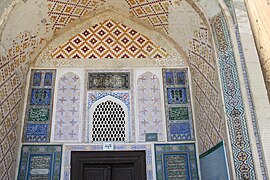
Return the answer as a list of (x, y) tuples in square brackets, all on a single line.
[(62, 12), (153, 11), (109, 39)]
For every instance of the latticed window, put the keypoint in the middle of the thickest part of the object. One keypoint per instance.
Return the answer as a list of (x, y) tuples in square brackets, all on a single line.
[(109, 122)]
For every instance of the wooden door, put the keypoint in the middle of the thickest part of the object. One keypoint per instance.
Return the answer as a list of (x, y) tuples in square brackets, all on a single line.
[(117, 165)]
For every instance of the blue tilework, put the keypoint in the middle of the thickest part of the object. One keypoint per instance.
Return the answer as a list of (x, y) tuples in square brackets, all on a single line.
[(40, 97), (38, 113), (40, 162), (175, 161), (48, 79), (37, 79), (242, 155), (180, 78), (169, 78), (37, 132), (230, 6), (177, 95), (177, 103)]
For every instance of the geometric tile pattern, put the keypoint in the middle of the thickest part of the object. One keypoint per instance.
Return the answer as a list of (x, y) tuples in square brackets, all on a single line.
[(209, 110), (149, 106), (154, 12), (213, 163), (237, 125), (11, 87), (109, 39), (249, 94), (40, 162), (63, 12), (176, 161), (178, 105), (67, 122), (37, 125), (117, 147)]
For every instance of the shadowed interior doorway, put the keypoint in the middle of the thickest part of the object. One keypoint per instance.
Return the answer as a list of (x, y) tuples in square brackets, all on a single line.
[(108, 165)]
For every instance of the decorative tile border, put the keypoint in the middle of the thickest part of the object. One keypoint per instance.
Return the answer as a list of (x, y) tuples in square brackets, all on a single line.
[(67, 121), (238, 130), (37, 125), (250, 99), (40, 162), (178, 105), (176, 161), (117, 147), (149, 108)]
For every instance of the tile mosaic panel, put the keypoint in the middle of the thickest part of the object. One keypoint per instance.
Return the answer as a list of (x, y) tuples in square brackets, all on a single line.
[(205, 83), (213, 163), (40, 162), (122, 96), (37, 125), (238, 130), (178, 105), (67, 121), (154, 12), (230, 5), (108, 81), (109, 39), (176, 161), (63, 12), (117, 147), (149, 107)]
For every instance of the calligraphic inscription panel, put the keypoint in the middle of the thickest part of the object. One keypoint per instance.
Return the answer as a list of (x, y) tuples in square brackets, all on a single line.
[(177, 105), (37, 126), (109, 81), (176, 161), (176, 166), (40, 162)]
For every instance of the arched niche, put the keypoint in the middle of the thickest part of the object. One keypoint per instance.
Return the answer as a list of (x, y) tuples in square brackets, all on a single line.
[(108, 114)]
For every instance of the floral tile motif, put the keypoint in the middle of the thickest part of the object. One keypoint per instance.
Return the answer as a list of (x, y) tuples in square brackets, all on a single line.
[(109, 39), (37, 126), (237, 125), (117, 147), (149, 108), (178, 105), (176, 161), (40, 162), (67, 122), (63, 12)]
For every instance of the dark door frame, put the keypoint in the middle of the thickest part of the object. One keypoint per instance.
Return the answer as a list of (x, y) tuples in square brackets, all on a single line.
[(81, 158)]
